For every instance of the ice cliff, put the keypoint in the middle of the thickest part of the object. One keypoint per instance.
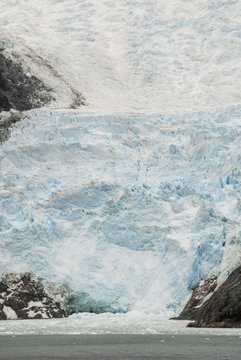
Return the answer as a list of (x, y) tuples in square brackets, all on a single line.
[(132, 210)]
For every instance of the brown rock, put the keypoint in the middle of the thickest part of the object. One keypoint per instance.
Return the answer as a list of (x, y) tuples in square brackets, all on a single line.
[(198, 295), (223, 308)]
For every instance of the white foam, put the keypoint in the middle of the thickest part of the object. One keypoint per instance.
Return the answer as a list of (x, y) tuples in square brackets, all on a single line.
[(109, 323)]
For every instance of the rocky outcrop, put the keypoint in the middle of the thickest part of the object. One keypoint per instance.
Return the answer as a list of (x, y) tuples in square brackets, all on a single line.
[(22, 296), (198, 296), (223, 308), (18, 90), (7, 119)]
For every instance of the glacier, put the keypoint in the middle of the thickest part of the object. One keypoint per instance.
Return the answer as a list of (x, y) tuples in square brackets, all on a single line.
[(131, 200), (136, 55), (132, 210)]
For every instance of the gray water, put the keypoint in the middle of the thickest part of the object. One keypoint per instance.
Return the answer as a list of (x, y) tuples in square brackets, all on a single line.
[(55, 347)]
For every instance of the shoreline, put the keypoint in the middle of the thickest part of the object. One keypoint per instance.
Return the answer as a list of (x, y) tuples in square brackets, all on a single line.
[(105, 324)]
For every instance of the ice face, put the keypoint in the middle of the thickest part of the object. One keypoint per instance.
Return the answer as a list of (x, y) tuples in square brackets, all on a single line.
[(131, 210)]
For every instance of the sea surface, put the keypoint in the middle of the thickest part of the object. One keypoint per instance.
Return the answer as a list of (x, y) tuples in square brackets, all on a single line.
[(124, 346)]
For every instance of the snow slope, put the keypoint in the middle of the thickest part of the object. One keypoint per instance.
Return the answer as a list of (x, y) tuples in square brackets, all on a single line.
[(137, 55), (134, 198)]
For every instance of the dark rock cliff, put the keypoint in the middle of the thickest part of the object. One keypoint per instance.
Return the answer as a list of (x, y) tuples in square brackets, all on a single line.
[(23, 297), (18, 90), (198, 296), (223, 308)]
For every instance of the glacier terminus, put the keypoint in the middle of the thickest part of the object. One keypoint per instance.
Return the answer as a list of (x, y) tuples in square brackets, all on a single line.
[(132, 211)]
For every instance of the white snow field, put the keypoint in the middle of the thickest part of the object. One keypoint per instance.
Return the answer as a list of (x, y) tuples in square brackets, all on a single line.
[(134, 198), (137, 55)]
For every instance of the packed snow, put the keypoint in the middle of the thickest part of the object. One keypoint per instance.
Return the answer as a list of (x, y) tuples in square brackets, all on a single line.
[(134, 198), (137, 55)]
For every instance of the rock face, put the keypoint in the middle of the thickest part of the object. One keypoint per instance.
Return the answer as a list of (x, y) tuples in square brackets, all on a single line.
[(6, 120), (198, 296), (223, 308), (18, 90), (24, 297)]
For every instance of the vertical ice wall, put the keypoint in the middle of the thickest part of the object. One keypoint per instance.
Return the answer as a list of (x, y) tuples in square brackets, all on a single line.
[(131, 210)]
